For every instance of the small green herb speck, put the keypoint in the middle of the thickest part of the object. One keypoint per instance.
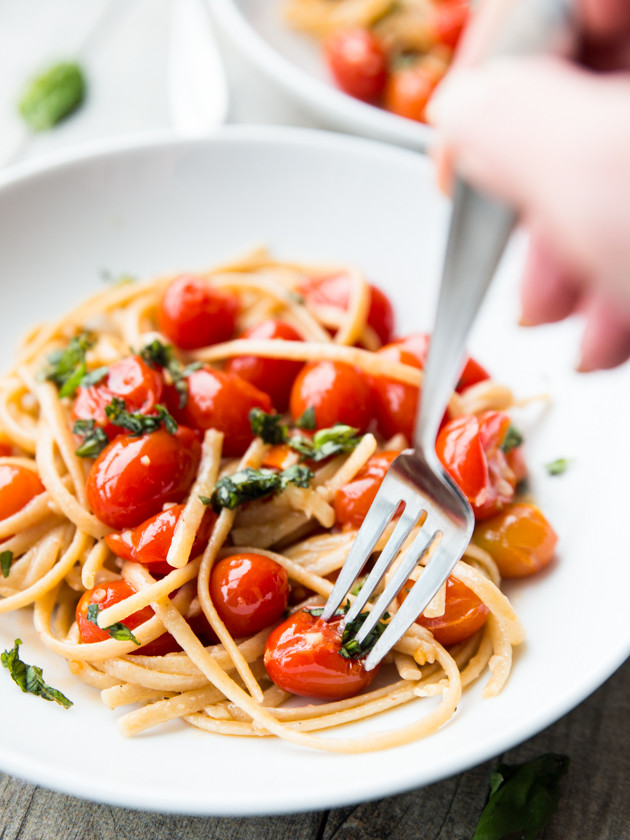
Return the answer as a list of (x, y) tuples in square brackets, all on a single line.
[(6, 559), (558, 466), (52, 96)]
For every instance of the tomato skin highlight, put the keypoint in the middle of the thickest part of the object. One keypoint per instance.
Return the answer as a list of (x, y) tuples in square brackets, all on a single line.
[(353, 500), (222, 401), (149, 542), (132, 380), (338, 392), (357, 61), (250, 591), (274, 377), (192, 314), (18, 486), (134, 477), (302, 656), (520, 540), (464, 614)]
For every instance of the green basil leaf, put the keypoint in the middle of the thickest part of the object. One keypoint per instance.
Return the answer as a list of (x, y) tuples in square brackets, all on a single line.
[(118, 631), (138, 423), (248, 484), (268, 427), (30, 678), (350, 647), (307, 421), (6, 559), (93, 436), (558, 466), (67, 368), (52, 96), (513, 438)]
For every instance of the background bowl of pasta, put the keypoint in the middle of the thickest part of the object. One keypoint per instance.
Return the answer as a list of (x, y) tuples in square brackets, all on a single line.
[(161, 208)]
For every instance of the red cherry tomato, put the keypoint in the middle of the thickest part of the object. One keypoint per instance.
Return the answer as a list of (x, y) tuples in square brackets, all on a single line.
[(358, 62), (334, 290), (395, 402), (149, 542), (6, 448), (272, 376), (353, 500), (472, 374), (192, 314), (249, 591), (464, 614), (131, 379), (520, 540), (448, 21), (134, 476), (302, 655), (18, 486), (470, 449), (338, 393), (218, 400), (408, 91)]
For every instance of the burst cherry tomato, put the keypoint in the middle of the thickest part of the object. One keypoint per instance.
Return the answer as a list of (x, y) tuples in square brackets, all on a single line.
[(334, 290), (338, 393), (358, 62), (193, 314), (464, 614), (18, 486), (272, 376), (470, 449), (134, 476), (149, 542), (448, 21), (520, 540), (353, 500), (408, 91), (302, 655), (131, 379), (249, 591), (218, 400)]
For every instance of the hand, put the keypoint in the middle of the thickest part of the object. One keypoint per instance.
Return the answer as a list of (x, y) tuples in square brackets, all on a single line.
[(553, 139)]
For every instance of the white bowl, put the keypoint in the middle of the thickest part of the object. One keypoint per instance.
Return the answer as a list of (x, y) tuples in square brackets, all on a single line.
[(295, 62), (167, 206)]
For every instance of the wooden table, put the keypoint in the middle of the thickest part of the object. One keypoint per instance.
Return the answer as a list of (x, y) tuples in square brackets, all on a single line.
[(595, 803)]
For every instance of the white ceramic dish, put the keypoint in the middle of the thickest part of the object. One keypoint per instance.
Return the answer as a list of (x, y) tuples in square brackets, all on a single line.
[(294, 62), (165, 206)]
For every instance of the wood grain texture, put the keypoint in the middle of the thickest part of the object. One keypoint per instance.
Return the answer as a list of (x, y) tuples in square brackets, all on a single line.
[(595, 804)]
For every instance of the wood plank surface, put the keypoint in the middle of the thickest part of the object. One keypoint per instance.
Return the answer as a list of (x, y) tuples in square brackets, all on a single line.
[(595, 804)]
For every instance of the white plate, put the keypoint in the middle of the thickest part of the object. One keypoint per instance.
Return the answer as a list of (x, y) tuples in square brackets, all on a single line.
[(295, 62), (167, 206)]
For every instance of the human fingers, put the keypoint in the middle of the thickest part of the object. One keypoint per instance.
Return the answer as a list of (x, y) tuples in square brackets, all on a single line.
[(606, 337), (550, 291)]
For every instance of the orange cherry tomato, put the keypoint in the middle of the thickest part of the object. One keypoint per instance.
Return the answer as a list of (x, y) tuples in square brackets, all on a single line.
[(336, 391), (272, 376), (353, 500), (464, 614), (18, 486), (334, 290), (193, 314), (149, 542), (302, 655), (358, 62), (470, 449), (520, 540), (134, 477), (250, 592), (278, 457), (222, 401), (132, 380), (408, 91), (449, 19)]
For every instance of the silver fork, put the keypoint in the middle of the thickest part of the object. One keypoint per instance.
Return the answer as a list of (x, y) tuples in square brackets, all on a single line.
[(479, 230)]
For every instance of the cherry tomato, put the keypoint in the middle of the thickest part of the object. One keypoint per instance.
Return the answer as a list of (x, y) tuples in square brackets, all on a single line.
[(218, 400), (192, 314), (395, 402), (448, 21), (353, 500), (334, 290), (249, 591), (302, 655), (18, 486), (131, 379), (464, 613), (472, 374), (358, 62), (6, 448), (149, 542), (279, 457), (272, 376), (408, 91), (520, 540), (134, 476), (470, 449), (338, 393)]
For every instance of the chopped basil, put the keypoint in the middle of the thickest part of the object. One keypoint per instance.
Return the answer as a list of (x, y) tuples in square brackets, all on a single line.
[(522, 799), (94, 377), (138, 423), (162, 355), (268, 427), (67, 368), (333, 441), (116, 280), (513, 438), (307, 420), (93, 436), (30, 678), (323, 444), (52, 96), (350, 647), (118, 631), (248, 484), (6, 558), (558, 466)]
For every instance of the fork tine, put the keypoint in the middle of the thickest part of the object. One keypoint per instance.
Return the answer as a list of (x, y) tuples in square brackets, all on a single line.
[(409, 518)]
